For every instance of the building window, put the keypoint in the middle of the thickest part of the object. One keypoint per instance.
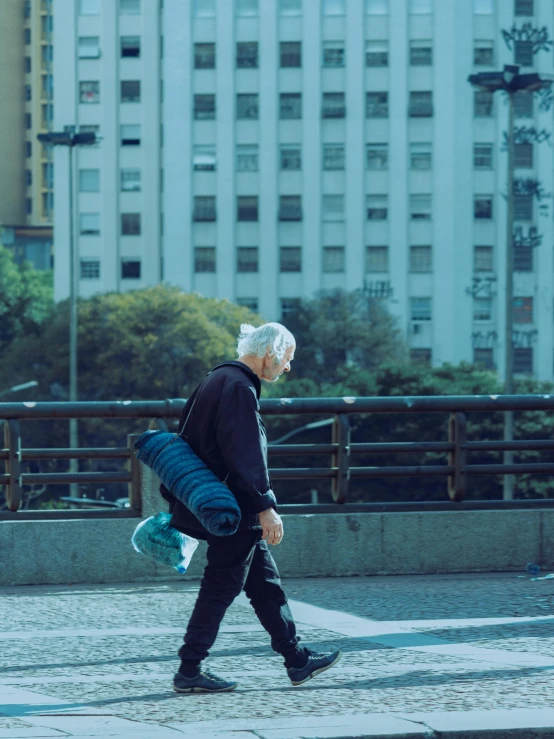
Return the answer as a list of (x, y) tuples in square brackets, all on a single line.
[(247, 208), (377, 259), (204, 56), (28, 177), (27, 92), (290, 7), (289, 306), (204, 259), (89, 7), (333, 54), (247, 7), (421, 53), (89, 180), (334, 105), (483, 53), (333, 208), (482, 156), (290, 54), (204, 107), (130, 180), (129, 7), (523, 105), (333, 259), (420, 156), (420, 207), (377, 207), (291, 156), (90, 269), (130, 91), (247, 106), (27, 36), (482, 103), (377, 156), (204, 8), (523, 158), (28, 121), (290, 105), (89, 47), (484, 358), (524, 7), (420, 309), (482, 207), (377, 7), (421, 104), (421, 356), (130, 269), (290, 259), (28, 149), (523, 53), (247, 55), (247, 157), (27, 63), (290, 208), (333, 7), (247, 259), (421, 6), (482, 259), (89, 224), (483, 7), (523, 259), (377, 105), (130, 46), (203, 158), (523, 310), (250, 303), (204, 208), (28, 206), (333, 156), (89, 92), (130, 135), (377, 54), (523, 361), (482, 309), (421, 259), (523, 207), (130, 224)]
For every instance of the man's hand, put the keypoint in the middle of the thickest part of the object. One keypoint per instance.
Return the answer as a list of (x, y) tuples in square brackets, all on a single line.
[(272, 526)]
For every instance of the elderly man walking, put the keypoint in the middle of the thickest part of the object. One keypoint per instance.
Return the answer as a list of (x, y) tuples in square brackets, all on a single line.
[(222, 424)]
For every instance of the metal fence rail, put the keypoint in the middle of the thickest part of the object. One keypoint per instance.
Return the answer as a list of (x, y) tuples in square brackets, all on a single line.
[(341, 450)]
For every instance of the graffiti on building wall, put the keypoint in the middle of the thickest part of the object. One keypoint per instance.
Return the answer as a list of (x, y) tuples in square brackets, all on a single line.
[(482, 287), (484, 339), (524, 339), (529, 238), (539, 37)]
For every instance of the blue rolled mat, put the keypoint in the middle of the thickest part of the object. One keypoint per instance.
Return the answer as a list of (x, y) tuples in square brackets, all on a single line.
[(190, 480)]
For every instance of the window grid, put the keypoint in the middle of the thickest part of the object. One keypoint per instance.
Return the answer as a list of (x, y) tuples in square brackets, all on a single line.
[(523, 310), (523, 156), (482, 207), (130, 46), (483, 259), (523, 361), (247, 259), (420, 259), (290, 105), (334, 105), (89, 92), (333, 156), (204, 107), (333, 259), (483, 54), (291, 157), (247, 157), (523, 53), (523, 259), (290, 54), (484, 358), (523, 207), (377, 105), (130, 91), (524, 7), (204, 158), (482, 309), (333, 207), (247, 106), (421, 54), (204, 208), (377, 54), (523, 105), (130, 224), (377, 156), (90, 269), (482, 156), (420, 207), (290, 259), (420, 156), (421, 104), (289, 306), (377, 207), (204, 56), (130, 180), (89, 224), (247, 55), (130, 269), (130, 135), (204, 259), (247, 208), (482, 104), (290, 208), (333, 54), (377, 259), (420, 309)]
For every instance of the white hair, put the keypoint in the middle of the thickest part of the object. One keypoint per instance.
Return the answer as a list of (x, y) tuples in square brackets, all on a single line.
[(256, 341)]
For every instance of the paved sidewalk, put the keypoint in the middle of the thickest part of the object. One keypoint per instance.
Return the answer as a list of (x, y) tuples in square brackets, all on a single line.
[(450, 656)]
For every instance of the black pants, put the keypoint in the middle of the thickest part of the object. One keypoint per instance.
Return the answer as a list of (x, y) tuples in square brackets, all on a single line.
[(237, 562)]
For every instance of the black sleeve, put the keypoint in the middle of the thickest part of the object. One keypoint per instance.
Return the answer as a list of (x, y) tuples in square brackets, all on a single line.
[(239, 438)]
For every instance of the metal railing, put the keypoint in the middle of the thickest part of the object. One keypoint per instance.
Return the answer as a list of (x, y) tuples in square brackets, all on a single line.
[(341, 449)]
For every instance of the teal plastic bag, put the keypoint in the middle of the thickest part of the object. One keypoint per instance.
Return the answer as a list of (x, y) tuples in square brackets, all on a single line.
[(157, 539)]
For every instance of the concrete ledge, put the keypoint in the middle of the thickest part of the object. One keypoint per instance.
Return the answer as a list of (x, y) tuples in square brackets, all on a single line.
[(318, 545)]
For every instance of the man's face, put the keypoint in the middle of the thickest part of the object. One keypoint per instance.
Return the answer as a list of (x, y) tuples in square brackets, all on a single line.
[(273, 369)]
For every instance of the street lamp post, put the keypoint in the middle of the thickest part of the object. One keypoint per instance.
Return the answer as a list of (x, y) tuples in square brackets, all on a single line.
[(511, 82), (68, 137)]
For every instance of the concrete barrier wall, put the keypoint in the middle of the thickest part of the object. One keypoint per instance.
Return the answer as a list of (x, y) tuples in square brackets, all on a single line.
[(316, 545)]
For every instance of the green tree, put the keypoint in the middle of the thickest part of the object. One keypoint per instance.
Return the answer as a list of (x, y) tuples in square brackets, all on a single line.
[(26, 299)]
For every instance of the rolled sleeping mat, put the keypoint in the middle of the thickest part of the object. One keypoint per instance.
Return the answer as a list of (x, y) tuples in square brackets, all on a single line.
[(187, 477)]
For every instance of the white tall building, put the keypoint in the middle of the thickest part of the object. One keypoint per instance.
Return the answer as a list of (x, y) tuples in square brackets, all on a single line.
[(312, 144)]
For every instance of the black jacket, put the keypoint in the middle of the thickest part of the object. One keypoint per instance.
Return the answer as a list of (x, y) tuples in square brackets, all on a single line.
[(226, 431)]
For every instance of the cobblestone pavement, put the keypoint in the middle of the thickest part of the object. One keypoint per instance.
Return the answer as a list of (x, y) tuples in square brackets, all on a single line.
[(414, 647)]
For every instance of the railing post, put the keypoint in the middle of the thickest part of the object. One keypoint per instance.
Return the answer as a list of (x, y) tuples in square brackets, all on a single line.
[(457, 434), (12, 440), (341, 458), (134, 467)]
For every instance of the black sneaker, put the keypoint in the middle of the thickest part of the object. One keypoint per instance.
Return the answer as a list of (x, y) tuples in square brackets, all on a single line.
[(316, 663), (203, 682)]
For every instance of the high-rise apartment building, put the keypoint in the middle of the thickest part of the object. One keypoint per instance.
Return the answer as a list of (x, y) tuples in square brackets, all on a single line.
[(26, 91), (314, 144)]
